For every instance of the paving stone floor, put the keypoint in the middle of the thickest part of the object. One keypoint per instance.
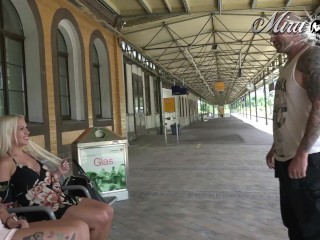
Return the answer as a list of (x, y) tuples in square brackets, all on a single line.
[(213, 185)]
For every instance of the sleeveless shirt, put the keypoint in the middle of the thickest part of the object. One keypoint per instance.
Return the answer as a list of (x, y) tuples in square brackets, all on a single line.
[(291, 111)]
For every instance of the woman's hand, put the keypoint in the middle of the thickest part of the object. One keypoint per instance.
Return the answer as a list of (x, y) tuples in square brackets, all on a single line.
[(63, 168), (13, 222)]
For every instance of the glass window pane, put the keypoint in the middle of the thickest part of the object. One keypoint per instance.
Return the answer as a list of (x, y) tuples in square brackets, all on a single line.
[(15, 78), (14, 51), (64, 101), (11, 20), (1, 42), (62, 47), (96, 91), (96, 77), (64, 86), (97, 107), (147, 92), (64, 90), (1, 78), (63, 69), (12, 83), (1, 104), (63, 76), (16, 103), (95, 58)]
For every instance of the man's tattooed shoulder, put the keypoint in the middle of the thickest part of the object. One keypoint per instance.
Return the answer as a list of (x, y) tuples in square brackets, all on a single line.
[(309, 60)]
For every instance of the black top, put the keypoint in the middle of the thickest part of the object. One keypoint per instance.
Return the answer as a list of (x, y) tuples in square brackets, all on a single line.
[(29, 188)]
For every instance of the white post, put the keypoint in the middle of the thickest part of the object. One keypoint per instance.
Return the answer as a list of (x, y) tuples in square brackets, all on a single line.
[(177, 118)]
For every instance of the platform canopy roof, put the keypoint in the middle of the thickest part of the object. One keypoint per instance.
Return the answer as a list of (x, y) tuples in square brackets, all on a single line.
[(201, 42)]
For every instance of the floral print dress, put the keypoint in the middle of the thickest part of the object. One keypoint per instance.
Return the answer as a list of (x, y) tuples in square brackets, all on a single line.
[(29, 188)]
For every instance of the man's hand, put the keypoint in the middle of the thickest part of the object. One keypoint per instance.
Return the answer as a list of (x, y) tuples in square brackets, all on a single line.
[(298, 166), (270, 158)]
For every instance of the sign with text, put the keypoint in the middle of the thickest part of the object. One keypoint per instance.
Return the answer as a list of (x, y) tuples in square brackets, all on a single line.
[(169, 104), (219, 86), (106, 166), (179, 90)]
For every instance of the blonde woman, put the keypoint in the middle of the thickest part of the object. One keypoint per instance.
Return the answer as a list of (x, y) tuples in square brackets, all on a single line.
[(12, 228), (26, 180)]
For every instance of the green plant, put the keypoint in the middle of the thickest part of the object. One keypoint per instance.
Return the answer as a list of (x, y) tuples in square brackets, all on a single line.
[(109, 181)]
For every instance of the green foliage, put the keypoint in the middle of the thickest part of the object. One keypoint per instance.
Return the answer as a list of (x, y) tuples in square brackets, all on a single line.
[(109, 181), (261, 104), (205, 108)]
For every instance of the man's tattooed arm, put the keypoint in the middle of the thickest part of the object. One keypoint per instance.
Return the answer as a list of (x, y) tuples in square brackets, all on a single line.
[(309, 65)]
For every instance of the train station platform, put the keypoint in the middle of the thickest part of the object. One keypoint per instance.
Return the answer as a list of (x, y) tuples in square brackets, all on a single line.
[(214, 184)]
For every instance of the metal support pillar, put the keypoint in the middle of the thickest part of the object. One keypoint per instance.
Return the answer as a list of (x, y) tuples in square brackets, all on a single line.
[(256, 102), (265, 99)]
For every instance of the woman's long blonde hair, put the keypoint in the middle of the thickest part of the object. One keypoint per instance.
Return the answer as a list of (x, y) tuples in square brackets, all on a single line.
[(8, 135)]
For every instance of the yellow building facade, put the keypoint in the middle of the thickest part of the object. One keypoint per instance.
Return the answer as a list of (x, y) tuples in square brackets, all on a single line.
[(62, 69)]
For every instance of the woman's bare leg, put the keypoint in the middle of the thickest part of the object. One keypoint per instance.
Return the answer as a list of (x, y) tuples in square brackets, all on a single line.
[(55, 229), (98, 215)]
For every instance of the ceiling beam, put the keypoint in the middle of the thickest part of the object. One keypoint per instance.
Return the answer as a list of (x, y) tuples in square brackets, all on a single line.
[(204, 44), (146, 6), (168, 5), (186, 5), (288, 3), (113, 6), (316, 12), (169, 76), (231, 67), (240, 12), (214, 64)]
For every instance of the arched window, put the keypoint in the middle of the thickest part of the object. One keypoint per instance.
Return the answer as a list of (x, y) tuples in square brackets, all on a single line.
[(64, 90), (96, 83), (13, 94), (101, 82), (70, 95)]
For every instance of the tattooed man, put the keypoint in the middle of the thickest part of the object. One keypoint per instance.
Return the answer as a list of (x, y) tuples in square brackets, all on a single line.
[(295, 153)]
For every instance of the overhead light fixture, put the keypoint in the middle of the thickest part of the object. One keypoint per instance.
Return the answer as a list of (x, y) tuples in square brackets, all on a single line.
[(214, 46), (239, 73)]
